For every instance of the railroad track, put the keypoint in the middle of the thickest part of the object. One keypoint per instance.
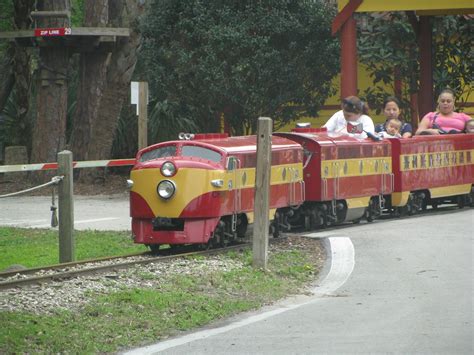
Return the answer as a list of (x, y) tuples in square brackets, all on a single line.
[(449, 209), (63, 271)]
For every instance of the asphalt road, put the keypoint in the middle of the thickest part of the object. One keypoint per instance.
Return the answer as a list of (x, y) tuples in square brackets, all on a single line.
[(90, 212), (410, 292), (398, 286)]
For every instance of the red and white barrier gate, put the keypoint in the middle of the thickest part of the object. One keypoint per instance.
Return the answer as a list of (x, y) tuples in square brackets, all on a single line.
[(76, 165)]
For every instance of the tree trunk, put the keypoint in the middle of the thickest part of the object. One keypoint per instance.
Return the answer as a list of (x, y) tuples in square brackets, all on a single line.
[(15, 65), (22, 70), (50, 128), (92, 82), (7, 78), (119, 74)]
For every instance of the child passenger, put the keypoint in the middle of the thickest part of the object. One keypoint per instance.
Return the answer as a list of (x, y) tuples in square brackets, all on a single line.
[(391, 128), (392, 109), (469, 128), (352, 119)]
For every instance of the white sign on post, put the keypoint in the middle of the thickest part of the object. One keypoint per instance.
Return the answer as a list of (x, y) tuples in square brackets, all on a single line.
[(134, 94)]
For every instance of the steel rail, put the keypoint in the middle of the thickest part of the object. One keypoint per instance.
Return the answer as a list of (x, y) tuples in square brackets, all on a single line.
[(101, 268), (28, 271)]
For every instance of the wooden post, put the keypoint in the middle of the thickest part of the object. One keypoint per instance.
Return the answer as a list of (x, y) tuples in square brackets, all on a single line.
[(426, 96), (66, 208), (142, 114), (349, 58), (262, 187)]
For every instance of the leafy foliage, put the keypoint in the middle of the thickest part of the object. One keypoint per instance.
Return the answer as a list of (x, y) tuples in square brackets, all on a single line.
[(242, 59), (453, 55), (6, 15), (389, 43)]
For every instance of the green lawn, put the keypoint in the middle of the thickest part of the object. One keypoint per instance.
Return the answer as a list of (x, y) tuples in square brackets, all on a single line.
[(39, 247), (133, 317)]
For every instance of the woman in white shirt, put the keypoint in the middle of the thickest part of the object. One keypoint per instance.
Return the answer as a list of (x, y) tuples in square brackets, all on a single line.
[(352, 119)]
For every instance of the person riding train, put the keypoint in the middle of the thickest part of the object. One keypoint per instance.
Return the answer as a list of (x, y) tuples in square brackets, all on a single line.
[(353, 119), (391, 129), (445, 119), (469, 128), (392, 111)]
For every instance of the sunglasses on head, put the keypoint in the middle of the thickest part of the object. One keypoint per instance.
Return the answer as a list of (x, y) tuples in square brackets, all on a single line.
[(352, 107)]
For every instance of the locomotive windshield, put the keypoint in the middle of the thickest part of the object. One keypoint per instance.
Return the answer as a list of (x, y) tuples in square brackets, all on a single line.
[(201, 152), (161, 152)]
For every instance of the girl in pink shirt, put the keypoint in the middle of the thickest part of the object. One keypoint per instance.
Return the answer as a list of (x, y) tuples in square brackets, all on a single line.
[(445, 120)]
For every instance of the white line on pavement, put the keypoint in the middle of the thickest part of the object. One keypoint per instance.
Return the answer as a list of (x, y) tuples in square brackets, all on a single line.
[(75, 222), (342, 265)]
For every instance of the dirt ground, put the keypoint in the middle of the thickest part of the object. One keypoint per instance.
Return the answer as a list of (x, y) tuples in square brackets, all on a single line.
[(317, 253), (105, 185)]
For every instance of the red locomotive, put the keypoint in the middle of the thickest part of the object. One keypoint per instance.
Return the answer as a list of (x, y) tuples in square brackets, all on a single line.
[(201, 189)]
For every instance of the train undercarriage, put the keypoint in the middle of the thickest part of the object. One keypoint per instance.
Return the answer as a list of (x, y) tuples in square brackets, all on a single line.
[(319, 215)]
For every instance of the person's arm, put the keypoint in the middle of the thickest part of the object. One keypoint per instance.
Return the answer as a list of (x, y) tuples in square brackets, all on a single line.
[(424, 126), (368, 125), (331, 123), (379, 127), (407, 130), (465, 117)]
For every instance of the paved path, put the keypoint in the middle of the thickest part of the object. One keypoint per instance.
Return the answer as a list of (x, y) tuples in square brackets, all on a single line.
[(411, 292), (90, 212)]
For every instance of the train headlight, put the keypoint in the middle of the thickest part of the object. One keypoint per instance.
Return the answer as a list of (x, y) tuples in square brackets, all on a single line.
[(166, 189), (168, 169)]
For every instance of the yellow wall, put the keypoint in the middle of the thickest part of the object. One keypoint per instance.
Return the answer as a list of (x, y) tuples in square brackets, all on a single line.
[(364, 82), (461, 6)]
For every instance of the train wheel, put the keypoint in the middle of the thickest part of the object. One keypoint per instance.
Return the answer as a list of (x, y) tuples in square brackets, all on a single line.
[(275, 231), (320, 219), (154, 248), (461, 201), (307, 223), (368, 216)]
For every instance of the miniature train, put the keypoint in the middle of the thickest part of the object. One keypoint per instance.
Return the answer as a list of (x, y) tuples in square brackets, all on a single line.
[(200, 189)]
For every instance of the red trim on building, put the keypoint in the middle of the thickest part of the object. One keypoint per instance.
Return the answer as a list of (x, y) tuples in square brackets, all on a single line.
[(425, 96), (349, 58), (344, 15)]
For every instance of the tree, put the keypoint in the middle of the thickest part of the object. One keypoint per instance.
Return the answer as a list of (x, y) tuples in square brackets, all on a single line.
[(7, 52), (15, 75), (123, 13), (92, 81), (52, 91), (241, 59), (388, 44), (104, 79)]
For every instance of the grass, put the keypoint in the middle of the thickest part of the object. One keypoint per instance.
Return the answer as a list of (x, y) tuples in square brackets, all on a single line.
[(134, 317), (39, 247)]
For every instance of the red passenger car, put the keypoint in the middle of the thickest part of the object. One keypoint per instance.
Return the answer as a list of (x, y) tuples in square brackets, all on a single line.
[(433, 170), (345, 178)]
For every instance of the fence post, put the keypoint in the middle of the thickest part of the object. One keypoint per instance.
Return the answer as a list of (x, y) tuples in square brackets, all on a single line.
[(142, 114), (66, 208), (262, 187)]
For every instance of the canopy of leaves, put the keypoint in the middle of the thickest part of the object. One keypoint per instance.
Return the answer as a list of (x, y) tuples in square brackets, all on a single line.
[(243, 59), (389, 41)]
